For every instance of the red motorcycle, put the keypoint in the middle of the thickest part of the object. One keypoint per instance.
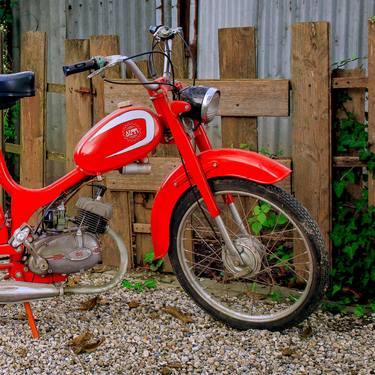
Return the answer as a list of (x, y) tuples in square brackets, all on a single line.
[(246, 251)]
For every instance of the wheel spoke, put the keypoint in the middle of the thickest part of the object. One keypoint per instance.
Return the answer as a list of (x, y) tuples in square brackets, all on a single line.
[(263, 284)]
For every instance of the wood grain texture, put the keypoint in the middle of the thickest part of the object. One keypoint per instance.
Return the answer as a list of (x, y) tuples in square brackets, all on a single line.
[(237, 59), (356, 104), (78, 104), (312, 120), (371, 104), (33, 111), (239, 98), (121, 224), (103, 45), (160, 168), (350, 82)]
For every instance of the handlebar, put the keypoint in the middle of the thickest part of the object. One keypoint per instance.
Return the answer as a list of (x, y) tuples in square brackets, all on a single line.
[(101, 63), (81, 67)]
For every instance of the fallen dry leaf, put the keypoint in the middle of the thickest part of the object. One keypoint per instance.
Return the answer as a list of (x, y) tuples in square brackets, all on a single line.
[(133, 304), (80, 339), (89, 347), (73, 280), (81, 344), (22, 351), (89, 304), (175, 365), (306, 332), (178, 314), (166, 370), (287, 352)]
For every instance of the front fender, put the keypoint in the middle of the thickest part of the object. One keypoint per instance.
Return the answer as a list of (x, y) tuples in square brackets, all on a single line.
[(242, 164)]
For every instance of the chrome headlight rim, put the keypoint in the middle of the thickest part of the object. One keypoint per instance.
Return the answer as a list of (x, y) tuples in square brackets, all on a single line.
[(207, 100), (201, 99)]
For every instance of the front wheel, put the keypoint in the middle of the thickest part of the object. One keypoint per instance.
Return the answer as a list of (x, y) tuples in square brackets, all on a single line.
[(279, 273)]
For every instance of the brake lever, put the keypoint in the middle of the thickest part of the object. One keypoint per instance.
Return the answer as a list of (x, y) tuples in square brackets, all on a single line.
[(114, 60)]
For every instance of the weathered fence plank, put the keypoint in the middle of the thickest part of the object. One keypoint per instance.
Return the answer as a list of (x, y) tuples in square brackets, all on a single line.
[(78, 98), (33, 111), (239, 98), (103, 45), (371, 104), (238, 45), (312, 120)]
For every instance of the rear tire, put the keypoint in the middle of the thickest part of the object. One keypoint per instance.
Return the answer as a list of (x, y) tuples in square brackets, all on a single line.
[(283, 282)]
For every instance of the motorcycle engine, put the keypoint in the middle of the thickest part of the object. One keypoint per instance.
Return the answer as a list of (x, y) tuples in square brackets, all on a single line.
[(71, 250)]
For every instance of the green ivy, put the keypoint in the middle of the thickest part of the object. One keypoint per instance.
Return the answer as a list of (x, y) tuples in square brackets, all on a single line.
[(353, 222)]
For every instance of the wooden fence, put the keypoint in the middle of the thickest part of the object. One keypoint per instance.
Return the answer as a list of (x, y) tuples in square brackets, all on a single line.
[(243, 99)]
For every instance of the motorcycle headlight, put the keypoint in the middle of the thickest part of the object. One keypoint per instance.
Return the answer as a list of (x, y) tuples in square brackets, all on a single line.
[(204, 102)]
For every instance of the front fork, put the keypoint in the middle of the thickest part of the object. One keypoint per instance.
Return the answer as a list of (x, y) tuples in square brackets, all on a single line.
[(194, 169), (203, 143)]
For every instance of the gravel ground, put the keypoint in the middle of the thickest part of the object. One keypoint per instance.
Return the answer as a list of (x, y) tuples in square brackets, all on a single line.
[(145, 339)]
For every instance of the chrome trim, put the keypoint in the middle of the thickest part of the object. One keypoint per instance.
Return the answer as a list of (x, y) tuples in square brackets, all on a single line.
[(207, 99)]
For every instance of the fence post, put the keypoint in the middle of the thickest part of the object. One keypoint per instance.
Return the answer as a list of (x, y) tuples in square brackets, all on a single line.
[(311, 85), (33, 111), (78, 98), (104, 45), (371, 104), (237, 59)]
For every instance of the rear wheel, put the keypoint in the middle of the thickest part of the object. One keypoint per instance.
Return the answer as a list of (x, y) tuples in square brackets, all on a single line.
[(278, 275)]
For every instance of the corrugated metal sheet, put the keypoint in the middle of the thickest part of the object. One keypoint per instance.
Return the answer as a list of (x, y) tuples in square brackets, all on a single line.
[(131, 18), (273, 20), (78, 19)]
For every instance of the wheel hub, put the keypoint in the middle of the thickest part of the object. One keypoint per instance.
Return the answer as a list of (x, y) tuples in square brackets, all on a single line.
[(248, 258)]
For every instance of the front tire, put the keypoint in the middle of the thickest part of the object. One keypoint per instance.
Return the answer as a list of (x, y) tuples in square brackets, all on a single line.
[(291, 273)]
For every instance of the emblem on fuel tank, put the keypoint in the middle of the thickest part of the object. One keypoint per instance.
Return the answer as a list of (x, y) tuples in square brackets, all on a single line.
[(131, 131)]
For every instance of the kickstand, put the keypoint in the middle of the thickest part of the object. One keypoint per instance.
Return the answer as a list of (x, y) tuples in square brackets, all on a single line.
[(30, 318)]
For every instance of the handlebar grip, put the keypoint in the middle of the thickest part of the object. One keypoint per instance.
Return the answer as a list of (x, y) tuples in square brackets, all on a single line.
[(80, 67)]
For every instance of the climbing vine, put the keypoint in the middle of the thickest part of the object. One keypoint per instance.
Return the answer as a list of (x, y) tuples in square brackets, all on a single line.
[(353, 221)]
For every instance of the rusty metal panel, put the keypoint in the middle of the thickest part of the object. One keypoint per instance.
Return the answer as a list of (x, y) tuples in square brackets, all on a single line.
[(273, 20), (78, 19)]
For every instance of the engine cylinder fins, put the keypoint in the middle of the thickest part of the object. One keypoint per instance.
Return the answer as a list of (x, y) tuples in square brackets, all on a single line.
[(93, 214)]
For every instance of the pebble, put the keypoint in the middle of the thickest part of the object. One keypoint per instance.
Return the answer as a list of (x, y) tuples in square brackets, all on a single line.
[(146, 340)]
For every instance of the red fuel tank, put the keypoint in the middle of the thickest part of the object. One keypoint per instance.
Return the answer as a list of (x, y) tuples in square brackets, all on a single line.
[(123, 136)]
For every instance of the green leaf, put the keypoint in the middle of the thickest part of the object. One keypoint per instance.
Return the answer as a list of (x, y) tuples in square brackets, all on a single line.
[(339, 188), (244, 146), (156, 265), (127, 284), (150, 283), (281, 219), (149, 256), (256, 227), (257, 210), (139, 286), (261, 218), (359, 310), (335, 289), (265, 207)]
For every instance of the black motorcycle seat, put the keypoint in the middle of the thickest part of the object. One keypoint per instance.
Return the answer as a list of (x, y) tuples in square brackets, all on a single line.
[(15, 86)]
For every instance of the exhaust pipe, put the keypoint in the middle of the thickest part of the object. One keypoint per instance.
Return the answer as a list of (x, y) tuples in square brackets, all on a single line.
[(19, 291)]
